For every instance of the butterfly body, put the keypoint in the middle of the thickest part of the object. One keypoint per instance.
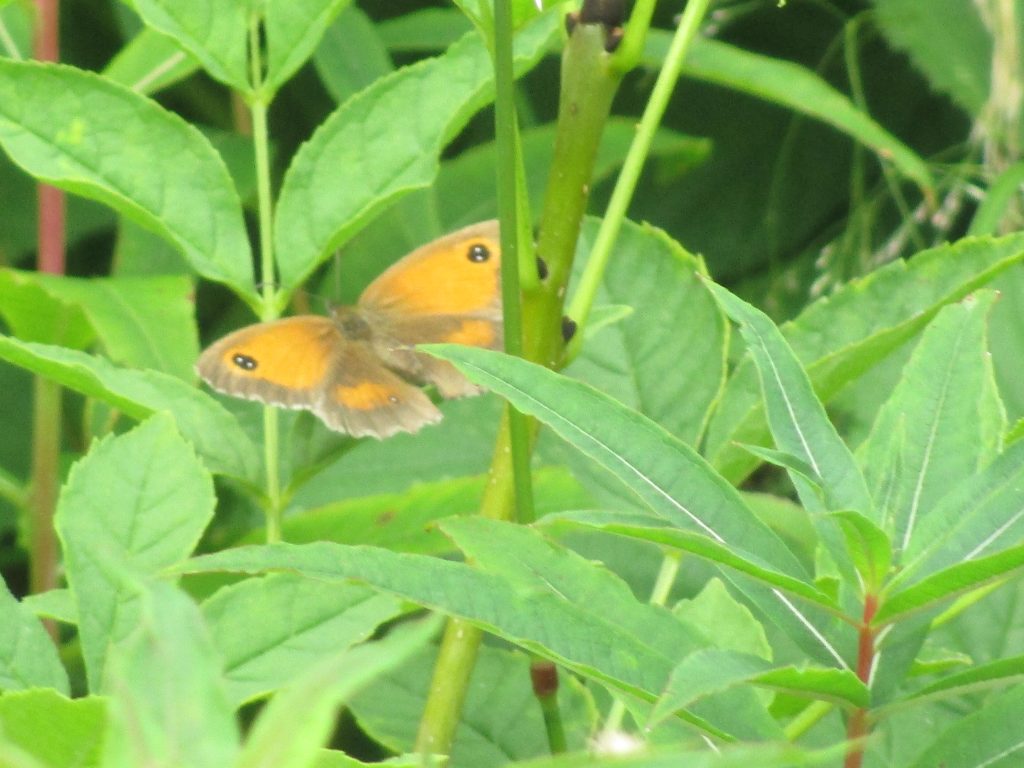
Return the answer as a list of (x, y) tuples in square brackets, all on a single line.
[(358, 369)]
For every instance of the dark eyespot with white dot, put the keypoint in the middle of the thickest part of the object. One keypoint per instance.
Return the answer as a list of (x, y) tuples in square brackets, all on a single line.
[(244, 362), (478, 253)]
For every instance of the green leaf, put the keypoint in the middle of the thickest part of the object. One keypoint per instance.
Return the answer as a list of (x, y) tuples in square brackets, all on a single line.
[(500, 720), (94, 138), (167, 701), (56, 604), (144, 322), (149, 63), (424, 29), (670, 371), (982, 738), (28, 658), (639, 755), (294, 29), (57, 731), (794, 87), (298, 720), (137, 502), (1000, 672), (982, 513), (351, 55), (928, 33), (360, 159), (729, 623), (797, 418), (654, 530), (948, 419), (670, 477), (301, 622), (35, 314), (404, 522), (840, 337), (636, 658), (215, 433), (214, 31), (868, 546), (711, 670), (949, 583)]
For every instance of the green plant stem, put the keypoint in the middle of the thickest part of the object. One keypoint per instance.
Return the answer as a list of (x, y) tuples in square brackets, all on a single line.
[(507, 141), (857, 726), (269, 311), (631, 48), (807, 719), (46, 417), (625, 186), (588, 86), (461, 642), (544, 678)]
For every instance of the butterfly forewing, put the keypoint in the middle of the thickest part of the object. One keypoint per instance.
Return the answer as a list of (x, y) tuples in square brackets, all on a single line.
[(283, 363)]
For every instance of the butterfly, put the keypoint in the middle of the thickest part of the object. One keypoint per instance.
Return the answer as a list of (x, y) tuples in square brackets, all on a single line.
[(358, 369)]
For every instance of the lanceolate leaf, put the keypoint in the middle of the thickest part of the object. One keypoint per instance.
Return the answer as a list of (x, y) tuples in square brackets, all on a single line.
[(951, 582), (89, 136), (989, 736), (666, 474), (701, 546), (637, 656), (361, 158), (798, 420), (840, 337), (712, 669), (947, 416), (980, 517)]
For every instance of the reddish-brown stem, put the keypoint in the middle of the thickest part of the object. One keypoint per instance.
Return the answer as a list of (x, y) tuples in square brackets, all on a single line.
[(857, 727), (47, 410)]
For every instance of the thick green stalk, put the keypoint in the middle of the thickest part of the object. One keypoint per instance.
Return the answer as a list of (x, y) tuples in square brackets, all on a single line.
[(583, 299), (461, 642), (258, 108), (588, 85)]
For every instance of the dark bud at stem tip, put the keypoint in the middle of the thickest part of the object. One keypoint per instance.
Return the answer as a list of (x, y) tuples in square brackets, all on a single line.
[(568, 328), (610, 13), (613, 39), (542, 268), (571, 20), (544, 676)]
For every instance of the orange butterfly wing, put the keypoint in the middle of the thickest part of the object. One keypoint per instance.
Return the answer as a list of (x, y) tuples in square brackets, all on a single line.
[(446, 291), (284, 362), (307, 362)]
